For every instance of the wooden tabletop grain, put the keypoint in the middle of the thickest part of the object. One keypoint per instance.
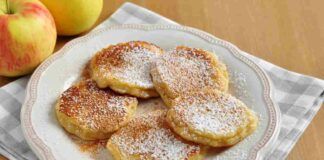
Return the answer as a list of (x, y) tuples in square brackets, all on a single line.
[(288, 33)]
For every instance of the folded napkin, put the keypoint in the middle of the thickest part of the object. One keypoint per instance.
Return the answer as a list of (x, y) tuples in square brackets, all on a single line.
[(298, 96)]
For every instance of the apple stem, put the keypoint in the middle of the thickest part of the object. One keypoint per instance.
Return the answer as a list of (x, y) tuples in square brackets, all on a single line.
[(8, 7)]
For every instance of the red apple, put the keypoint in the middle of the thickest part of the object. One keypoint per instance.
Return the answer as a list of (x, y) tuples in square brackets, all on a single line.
[(27, 36)]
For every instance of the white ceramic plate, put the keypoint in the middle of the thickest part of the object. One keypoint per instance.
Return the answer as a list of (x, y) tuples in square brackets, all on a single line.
[(49, 141)]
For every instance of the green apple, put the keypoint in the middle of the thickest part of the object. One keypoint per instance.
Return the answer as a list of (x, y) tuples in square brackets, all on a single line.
[(27, 36), (73, 17)]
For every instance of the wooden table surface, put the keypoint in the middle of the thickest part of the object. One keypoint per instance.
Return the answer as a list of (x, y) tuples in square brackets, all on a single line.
[(288, 33)]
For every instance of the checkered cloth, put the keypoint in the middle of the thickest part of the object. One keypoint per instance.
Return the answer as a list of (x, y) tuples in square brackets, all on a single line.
[(299, 97)]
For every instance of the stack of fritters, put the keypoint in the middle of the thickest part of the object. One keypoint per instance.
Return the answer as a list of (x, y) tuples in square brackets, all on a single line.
[(193, 83)]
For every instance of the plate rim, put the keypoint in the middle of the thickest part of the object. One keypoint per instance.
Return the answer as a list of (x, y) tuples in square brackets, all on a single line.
[(43, 151)]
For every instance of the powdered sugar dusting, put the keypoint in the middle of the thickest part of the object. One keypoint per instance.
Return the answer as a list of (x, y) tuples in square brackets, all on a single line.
[(128, 62), (150, 137), (93, 107), (238, 85), (220, 115), (137, 67), (186, 69)]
